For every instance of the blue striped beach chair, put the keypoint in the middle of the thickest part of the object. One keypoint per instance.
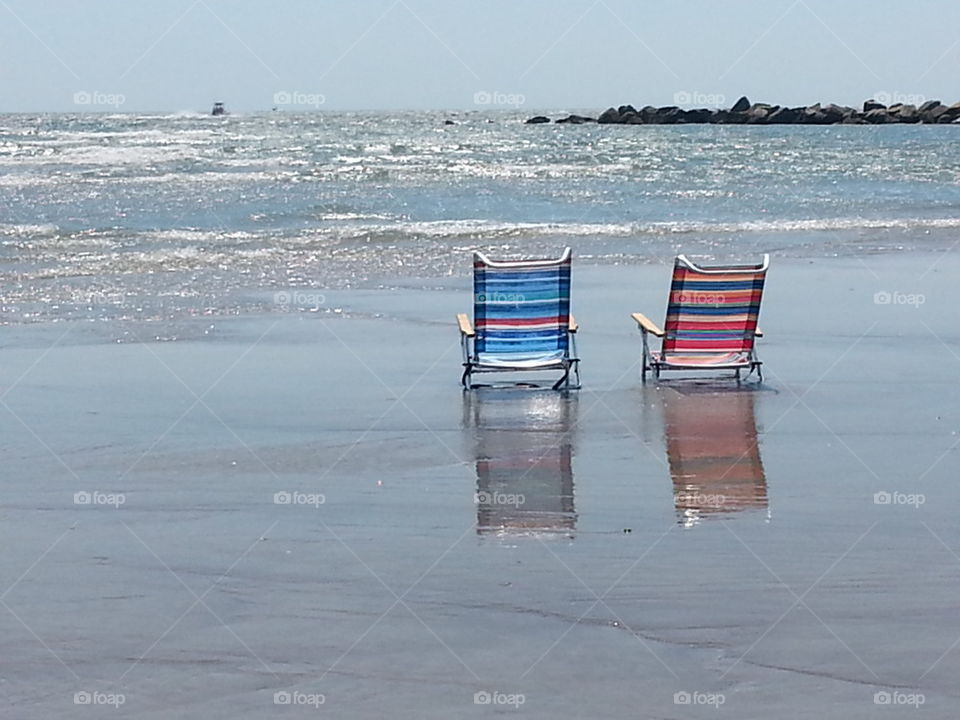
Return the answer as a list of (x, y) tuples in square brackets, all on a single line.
[(711, 322), (521, 309)]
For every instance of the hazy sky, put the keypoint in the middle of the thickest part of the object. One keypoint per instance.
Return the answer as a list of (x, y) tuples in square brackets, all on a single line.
[(172, 55)]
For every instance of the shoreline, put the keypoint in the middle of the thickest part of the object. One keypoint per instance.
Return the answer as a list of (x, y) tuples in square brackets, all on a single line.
[(319, 301)]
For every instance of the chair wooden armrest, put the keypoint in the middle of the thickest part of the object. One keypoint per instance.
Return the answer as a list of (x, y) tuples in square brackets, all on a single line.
[(573, 327), (465, 327), (647, 325), (758, 333)]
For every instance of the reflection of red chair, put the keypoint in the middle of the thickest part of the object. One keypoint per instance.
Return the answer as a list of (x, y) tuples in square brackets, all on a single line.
[(712, 450), (523, 461)]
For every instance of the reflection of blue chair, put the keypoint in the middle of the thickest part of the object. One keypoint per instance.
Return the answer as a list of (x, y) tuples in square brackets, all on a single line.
[(523, 456), (522, 313)]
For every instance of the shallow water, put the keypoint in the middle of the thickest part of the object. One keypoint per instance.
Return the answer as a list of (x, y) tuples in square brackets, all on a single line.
[(126, 216), (638, 564)]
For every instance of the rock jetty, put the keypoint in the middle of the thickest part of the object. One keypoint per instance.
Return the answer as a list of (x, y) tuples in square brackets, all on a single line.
[(744, 112)]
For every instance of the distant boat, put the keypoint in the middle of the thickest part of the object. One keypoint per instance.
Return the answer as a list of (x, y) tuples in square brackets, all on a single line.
[(218, 109)]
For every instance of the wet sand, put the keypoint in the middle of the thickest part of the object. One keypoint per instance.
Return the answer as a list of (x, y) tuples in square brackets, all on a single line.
[(573, 555)]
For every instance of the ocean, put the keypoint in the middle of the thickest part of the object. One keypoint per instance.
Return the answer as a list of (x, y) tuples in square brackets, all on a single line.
[(160, 217)]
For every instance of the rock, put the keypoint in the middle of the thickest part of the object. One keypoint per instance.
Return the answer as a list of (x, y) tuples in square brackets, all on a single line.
[(934, 114), (626, 110), (873, 105), (576, 119), (634, 119), (952, 113), (815, 115), (538, 120), (649, 114), (877, 116), (785, 116), (757, 114), (909, 114), (451, 122), (930, 105), (836, 113), (734, 118), (610, 116), (741, 105), (670, 115), (854, 119), (699, 116)]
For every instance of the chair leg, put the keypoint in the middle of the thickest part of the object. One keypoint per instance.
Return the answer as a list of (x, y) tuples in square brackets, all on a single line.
[(465, 380), (565, 380)]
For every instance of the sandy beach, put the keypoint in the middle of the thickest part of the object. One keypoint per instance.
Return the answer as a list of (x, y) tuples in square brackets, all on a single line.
[(304, 509)]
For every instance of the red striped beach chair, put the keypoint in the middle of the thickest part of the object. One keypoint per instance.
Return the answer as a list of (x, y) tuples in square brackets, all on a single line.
[(521, 311), (711, 322)]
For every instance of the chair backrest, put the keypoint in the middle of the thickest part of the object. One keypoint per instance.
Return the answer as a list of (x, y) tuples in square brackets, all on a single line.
[(713, 309), (521, 306)]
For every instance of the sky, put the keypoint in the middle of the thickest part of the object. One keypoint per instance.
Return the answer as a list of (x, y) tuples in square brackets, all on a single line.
[(304, 55)]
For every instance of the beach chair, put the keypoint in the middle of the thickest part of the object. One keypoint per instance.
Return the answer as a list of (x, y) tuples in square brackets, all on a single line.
[(521, 309), (711, 320)]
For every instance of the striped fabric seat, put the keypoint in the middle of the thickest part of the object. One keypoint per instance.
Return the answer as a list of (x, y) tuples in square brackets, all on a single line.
[(712, 315), (705, 360), (521, 314)]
